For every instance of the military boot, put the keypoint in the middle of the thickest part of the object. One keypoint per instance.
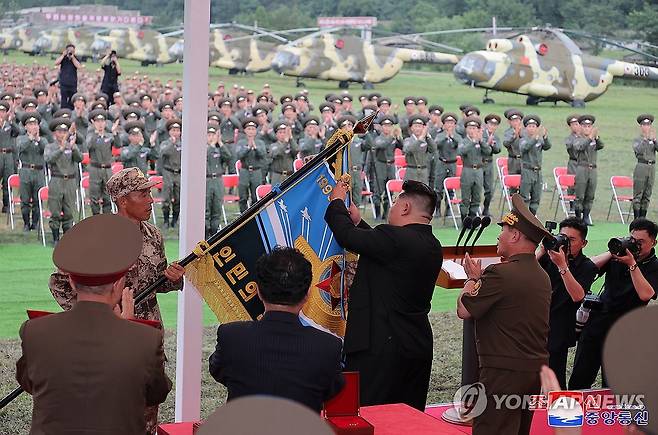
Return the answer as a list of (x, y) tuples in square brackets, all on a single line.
[(587, 218), (378, 211), (174, 219), (165, 217), (26, 220), (579, 214), (385, 209), (55, 236), (486, 204), (637, 212), (643, 213)]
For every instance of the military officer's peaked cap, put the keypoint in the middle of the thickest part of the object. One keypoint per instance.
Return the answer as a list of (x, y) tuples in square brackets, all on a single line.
[(572, 118), (301, 96), (409, 100), (449, 116), (287, 106), (63, 113), (59, 124), (212, 129), (134, 127), (4, 105), (436, 109), (214, 115), (531, 119), (421, 100), (250, 122), (383, 100), (40, 91), (326, 107), (127, 180), (78, 96), (472, 121), (31, 117), (363, 97), (645, 119), (285, 99), (374, 96), (523, 220), (463, 107), (513, 114), (311, 120), (102, 96), (98, 114), (469, 111), (280, 125), (629, 340), (347, 97), (7, 96), (417, 119), (345, 119), (99, 104), (492, 117), (240, 98), (259, 108), (166, 105), (29, 101), (225, 102), (132, 101), (587, 119), (131, 111), (99, 250), (387, 120), (174, 123)]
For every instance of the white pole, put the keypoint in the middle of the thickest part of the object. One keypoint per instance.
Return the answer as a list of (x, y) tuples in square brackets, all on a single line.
[(193, 204)]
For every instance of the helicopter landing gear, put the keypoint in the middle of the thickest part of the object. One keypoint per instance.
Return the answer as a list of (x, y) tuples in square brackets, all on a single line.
[(578, 103), (486, 99), (299, 83), (343, 84), (532, 101), (368, 85)]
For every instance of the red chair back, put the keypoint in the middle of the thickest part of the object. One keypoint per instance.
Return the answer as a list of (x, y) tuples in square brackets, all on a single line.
[(230, 180), (263, 190), (459, 161), (400, 161), (85, 182), (621, 182), (566, 181), (158, 179), (86, 159), (116, 167), (297, 164), (14, 181), (394, 186), (238, 165), (401, 173), (560, 170), (501, 162), (512, 181), (397, 152), (116, 152), (459, 170), (43, 193), (452, 183)]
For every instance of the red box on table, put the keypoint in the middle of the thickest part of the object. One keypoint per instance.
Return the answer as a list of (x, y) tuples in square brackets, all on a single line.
[(342, 412)]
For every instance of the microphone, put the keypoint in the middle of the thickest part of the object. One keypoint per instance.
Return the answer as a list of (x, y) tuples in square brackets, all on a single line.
[(466, 224), (476, 223), (483, 224)]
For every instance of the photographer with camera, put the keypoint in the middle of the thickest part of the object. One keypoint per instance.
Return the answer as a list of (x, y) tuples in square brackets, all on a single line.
[(68, 75), (112, 70), (631, 279), (571, 274)]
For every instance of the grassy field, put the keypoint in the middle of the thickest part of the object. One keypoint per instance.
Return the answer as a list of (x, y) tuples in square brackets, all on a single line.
[(25, 265)]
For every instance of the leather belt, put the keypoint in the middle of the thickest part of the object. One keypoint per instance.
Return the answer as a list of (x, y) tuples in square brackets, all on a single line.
[(447, 161), (101, 165), (573, 159), (252, 168), (586, 165), (356, 167), (386, 161), (487, 160), (416, 167), (473, 166), (646, 162), (6, 150), (514, 157), (32, 166), (175, 171), (283, 172), (66, 177), (215, 175), (532, 168)]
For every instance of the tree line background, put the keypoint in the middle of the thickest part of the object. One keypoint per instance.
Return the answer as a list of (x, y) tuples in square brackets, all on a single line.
[(633, 19)]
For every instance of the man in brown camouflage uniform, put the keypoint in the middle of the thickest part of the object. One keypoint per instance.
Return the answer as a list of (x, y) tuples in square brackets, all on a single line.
[(131, 191)]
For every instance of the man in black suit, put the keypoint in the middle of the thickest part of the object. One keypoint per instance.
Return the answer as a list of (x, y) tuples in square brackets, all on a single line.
[(277, 355), (388, 337)]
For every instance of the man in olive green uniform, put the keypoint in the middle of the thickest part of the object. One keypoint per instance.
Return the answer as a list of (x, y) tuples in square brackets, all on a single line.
[(170, 157), (289, 114), (434, 127), (229, 128), (216, 156), (136, 153), (417, 150), (586, 147), (574, 132), (8, 158), (645, 148), (99, 145), (511, 140), (310, 143), (447, 142), (509, 303), (283, 153), (79, 116), (357, 149), (410, 110), (252, 153), (328, 125), (384, 146), (491, 121), (472, 149), (62, 156), (30, 148), (148, 113), (533, 142)]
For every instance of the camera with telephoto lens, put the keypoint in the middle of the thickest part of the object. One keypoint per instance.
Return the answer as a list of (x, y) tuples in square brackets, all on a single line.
[(557, 241), (591, 302), (618, 246)]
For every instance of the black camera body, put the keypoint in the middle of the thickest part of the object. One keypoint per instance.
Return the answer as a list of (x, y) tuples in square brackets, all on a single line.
[(557, 241), (618, 246)]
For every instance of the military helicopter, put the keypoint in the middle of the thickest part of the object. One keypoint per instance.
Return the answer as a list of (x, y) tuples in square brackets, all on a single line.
[(324, 55), (145, 45), (546, 65), (56, 41), (22, 37)]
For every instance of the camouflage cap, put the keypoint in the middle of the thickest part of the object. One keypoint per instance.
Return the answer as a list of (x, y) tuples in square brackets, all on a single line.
[(472, 121), (417, 119), (387, 120), (345, 119), (134, 127), (4, 105), (421, 100), (587, 119), (78, 96), (98, 114), (531, 119), (280, 125), (40, 91), (513, 114), (449, 116), (63, 113), (250, 122), (59, 124), (285, 99), (174, 123), (572, 118), (645, 119), (167, 104), (409, 100), (31, 117), (127, 180), (326, 107), (29, 102), (492, 117), (311, 120), (436, 109), (131, 112), (523, 220)]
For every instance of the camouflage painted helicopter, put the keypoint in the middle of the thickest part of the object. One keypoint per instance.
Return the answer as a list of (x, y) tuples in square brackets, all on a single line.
[(346, 59), (145, 45), (546, 65), (55, 41), (22, 37)]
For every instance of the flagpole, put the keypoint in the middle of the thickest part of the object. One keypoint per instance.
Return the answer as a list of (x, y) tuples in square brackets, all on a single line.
[(193, 204)]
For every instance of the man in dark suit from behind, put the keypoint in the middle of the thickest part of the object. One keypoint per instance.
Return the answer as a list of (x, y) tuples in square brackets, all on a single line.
[(277, 355), (388, 337), (89, 370)]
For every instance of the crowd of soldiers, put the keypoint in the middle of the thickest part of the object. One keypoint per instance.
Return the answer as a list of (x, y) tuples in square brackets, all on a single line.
[(259, 137)]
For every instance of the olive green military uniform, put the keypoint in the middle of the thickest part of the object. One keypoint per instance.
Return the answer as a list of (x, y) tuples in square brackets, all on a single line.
[(253, 158), (170, 156), (446, 159), (30, 153), (568, 142), (645, 169), (227, 129), (531, 156), (509, 306), (216, 157), (100, 164), (63, 163), (283, 155), (417, 153), (8, 158), (136, 155), (472, 178), (489, 170), (511, 142), (384, 165), (309, 146), (586, 151)]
